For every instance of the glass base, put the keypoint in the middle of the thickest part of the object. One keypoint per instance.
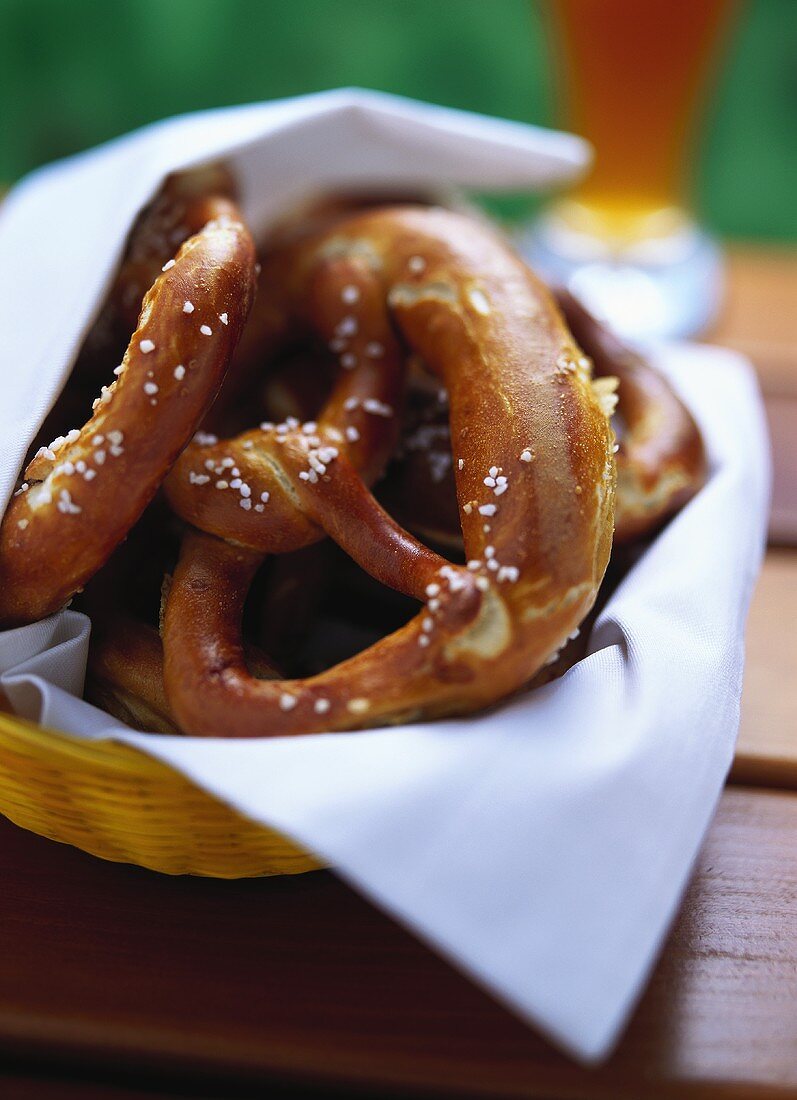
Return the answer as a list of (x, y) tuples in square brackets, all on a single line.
[(660, 287)]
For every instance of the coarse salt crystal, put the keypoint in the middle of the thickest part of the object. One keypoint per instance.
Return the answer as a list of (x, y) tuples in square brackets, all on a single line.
[(377, 408)]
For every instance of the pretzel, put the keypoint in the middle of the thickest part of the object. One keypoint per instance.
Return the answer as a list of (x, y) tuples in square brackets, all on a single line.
[(535, 482), (661, 462), (83, 493), (660, 459), (124, 675), (183, 205)]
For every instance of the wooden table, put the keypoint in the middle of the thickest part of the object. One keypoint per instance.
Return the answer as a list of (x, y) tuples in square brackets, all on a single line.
[(118, 983)]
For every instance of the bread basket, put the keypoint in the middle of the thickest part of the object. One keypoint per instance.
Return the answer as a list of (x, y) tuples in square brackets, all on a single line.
[(119, 804)]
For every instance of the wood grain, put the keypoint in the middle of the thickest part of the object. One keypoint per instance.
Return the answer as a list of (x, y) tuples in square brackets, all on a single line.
[(301, 980), (781, 410), (758, 315), (766, 752), (759, 318)]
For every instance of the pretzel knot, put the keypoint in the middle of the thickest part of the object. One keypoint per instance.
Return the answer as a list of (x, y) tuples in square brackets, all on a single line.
[(83, 493), (535, 478)]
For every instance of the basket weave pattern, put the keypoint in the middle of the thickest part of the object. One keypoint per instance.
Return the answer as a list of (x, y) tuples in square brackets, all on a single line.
[(121, 805)]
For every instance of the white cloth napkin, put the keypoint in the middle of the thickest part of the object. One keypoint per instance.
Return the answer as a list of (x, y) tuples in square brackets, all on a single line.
[(542, 848)]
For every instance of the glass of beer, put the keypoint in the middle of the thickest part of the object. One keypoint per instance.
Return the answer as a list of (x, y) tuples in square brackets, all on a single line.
[(631, 73)]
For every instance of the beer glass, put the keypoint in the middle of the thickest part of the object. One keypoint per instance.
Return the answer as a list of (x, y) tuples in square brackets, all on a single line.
[(631, 73)]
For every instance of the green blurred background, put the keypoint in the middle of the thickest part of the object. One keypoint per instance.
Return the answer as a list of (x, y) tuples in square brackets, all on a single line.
[(76, 73)]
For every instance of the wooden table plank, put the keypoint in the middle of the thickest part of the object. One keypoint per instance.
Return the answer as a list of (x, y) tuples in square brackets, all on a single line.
[(758, 316), (781, 410), (300, 979), (766, 752)]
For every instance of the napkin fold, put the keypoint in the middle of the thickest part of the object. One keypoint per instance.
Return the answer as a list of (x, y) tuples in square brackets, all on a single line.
[(543, 848)]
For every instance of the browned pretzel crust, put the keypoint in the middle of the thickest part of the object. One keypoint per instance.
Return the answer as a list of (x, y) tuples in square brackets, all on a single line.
[(183, 206), (535, 483), (124, 676), (660, 460), (83, 494), (661, 463)]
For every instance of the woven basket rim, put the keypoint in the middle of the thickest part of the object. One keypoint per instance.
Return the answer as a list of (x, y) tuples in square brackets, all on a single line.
[(45, 741), (92, 773)]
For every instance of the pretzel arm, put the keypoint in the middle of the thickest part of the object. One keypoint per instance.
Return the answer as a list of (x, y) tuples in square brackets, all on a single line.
[(245, 489), (124, 675), (183, 206), (205, 672), (661, 462), (83, 494), (347, 512)]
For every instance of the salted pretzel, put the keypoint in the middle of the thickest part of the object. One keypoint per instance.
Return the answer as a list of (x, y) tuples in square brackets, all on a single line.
[(183, 205), (660, 457), (661, 462), (535, 480), (83, 493)]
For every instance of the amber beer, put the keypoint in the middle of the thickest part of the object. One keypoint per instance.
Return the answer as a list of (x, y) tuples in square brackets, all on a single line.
[(632, 72)]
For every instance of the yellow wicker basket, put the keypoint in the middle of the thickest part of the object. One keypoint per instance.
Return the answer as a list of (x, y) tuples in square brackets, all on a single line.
[(122, 805)]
